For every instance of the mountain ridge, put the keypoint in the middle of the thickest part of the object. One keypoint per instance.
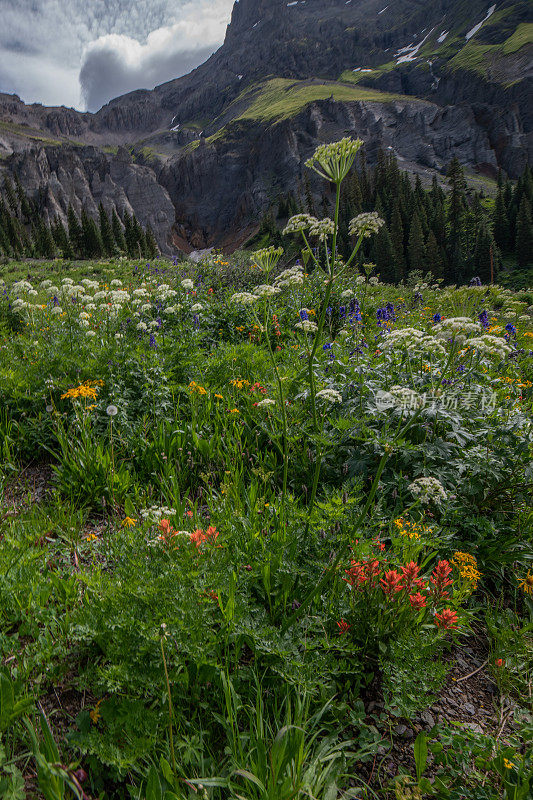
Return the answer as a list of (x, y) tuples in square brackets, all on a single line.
[(425, 82)]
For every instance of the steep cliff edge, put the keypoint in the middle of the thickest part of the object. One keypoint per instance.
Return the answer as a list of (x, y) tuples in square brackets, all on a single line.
[(201, 157)]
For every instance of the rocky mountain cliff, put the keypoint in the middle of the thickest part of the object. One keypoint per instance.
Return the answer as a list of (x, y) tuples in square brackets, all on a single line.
[(202, 157)]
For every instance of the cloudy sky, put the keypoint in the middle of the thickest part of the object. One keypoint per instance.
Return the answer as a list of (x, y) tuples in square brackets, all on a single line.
[(81, 53)]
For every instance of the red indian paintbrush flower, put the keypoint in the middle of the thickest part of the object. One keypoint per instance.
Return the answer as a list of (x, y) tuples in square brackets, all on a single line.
[(440, 579), (446, 619), (417, 600), (356, 575), (343, 626), (410, 574), (391, 582), (198, 537)]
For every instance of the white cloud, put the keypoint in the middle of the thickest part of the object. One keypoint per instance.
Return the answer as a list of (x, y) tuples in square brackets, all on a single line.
[(116, 64), (117, 45)]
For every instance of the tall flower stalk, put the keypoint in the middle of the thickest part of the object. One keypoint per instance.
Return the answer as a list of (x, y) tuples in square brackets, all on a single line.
[(333, 163)]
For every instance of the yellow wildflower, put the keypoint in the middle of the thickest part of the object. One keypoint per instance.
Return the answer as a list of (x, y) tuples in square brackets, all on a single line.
[(467, 566), (195, 387), (128, 522), (527, 584), (95, 713)]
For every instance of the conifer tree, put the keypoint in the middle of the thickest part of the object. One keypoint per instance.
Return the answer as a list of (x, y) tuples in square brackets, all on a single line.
[(456, 217), (92, 243), (434, 260), (500, 221), (524, 235), (397, 238), (129, 236), (75, 233), (43, 240), (416, 251), (106, 232), (383, 256), (61, 239), (152, 249), (11, 196), (484, 253)]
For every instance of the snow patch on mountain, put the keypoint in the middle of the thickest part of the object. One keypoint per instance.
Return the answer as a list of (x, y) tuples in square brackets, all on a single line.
[(475, 29)]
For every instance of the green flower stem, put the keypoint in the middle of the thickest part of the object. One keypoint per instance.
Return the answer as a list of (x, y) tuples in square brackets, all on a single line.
[(330, 573), (170, 711), (283, 421)]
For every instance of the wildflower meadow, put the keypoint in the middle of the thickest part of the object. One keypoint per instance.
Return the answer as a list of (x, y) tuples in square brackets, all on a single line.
[(266, 526)]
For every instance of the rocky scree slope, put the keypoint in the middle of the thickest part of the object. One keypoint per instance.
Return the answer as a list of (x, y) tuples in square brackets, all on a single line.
[(209, 152)]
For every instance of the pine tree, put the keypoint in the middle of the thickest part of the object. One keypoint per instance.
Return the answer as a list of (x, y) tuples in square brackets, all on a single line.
[(92, 242), (500, 221), (26, 209), (43, 240), (129, 235), (118, 233), (75, 233), (138, 238), (416, 251), (456, 216), (383, 256), (152, 249), (397, 238), (484, 253), (61, 239), (524, 235), (434, 260), (11, 196), (106, 232)]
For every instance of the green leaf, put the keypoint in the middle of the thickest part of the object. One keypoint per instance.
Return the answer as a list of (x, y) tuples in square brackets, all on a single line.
[(421, 754), (243, 773), (166, 769), (153, 786)]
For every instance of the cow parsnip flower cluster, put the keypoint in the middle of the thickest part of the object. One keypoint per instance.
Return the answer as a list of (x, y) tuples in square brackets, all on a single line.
[(290, 278), (413, 340), (456, 325), (329, 395), (334, 161), (491, 346), (366, 224), (428, 490)]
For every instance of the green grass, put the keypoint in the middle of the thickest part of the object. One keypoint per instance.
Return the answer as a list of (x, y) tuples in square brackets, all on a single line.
[(349, 76), (523, 35), (281, 99), (28, 133)]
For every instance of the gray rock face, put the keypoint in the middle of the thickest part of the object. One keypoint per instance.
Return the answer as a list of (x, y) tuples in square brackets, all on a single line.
[(84, 177), (226, 184), (196, 194)]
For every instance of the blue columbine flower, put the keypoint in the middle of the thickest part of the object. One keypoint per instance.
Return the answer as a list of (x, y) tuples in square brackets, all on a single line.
[(484, 319)]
